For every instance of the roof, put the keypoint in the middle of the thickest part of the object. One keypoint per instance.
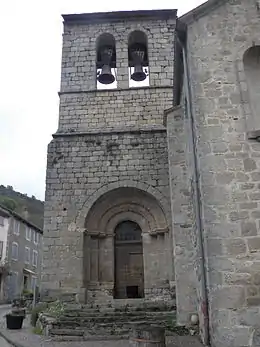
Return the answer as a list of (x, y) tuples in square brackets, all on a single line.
[(9, 213), (108, 17), (201, 11)]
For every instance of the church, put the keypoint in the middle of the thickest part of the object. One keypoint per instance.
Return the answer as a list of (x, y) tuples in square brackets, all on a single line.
[(153, 175)]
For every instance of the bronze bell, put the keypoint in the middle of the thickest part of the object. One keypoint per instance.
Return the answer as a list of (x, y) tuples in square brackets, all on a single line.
[(138, 75), (106, 77), (137, 54)]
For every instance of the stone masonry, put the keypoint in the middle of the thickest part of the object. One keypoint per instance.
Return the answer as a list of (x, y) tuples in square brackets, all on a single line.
[(220, 40), (181, 158), (108, 161)]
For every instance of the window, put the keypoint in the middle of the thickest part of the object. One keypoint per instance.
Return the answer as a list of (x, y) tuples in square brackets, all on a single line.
[(16, 227), (35, 258), (28, 234), (36, 237), (33, 283), (13, 285), (2, 221), (27, 255), (1, 249), (14, 251), (252, 72)]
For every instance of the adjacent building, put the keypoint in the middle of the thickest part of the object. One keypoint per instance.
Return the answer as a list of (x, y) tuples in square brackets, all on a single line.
[(20, 255)]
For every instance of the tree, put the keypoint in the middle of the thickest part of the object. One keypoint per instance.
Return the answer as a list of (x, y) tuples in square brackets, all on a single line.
[(8, 203)]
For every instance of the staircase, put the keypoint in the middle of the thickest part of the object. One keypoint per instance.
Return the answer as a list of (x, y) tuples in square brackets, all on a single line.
[(80, 322)]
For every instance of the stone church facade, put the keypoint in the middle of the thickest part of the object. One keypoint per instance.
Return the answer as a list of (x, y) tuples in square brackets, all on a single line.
[(153, 187)]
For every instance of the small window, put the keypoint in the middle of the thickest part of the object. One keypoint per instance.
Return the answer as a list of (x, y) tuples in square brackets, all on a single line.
[(27, 255), (33, 283), (16, 227), (14, 251), (28, 234), (35, 258), (1, 249), (36, 237), (2, 221), (14, 283)]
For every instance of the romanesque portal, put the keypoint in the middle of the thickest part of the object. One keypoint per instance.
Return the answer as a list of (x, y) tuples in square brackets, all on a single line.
[(126, 247)]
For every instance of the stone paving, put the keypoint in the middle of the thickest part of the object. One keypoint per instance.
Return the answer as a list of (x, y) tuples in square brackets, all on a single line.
[(26, 338)]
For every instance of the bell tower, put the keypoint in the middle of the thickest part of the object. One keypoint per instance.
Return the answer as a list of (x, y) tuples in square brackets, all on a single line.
[(107, 168)]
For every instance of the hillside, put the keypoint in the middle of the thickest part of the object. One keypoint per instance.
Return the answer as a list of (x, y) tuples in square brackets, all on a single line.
[(18, 202)]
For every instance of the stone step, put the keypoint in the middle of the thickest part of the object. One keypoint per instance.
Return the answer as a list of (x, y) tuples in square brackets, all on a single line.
[(78, 320), (104, 329), (83, 314), (67, 332), (123, 306)]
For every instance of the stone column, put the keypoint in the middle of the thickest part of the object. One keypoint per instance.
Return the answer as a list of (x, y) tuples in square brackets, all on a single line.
[(106, 260)]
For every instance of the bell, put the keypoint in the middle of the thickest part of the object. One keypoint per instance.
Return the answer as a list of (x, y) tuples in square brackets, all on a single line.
[(106, 77), (138, 75), (137, 54)]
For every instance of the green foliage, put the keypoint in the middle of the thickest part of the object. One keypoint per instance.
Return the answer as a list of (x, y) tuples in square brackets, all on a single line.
[(55, 309), (36, 311), (37, 331), (9, 203), (34, 206)]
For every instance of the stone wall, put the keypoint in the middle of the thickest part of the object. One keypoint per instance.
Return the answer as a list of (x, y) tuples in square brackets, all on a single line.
[(78, 168), (79, 50), (109, 140), (108, 109), (183, 221), (229, 167)]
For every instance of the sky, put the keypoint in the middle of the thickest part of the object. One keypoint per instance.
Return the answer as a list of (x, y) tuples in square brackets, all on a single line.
[(30, 58)]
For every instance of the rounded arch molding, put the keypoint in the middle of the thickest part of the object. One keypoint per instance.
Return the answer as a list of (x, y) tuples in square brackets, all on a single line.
[(149, 208), (251, 124)]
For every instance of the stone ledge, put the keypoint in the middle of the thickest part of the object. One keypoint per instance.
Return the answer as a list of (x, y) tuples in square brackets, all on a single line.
[(109, 131), (112, 90)]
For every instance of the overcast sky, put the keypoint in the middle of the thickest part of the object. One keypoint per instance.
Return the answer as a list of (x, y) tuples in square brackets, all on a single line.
[(30, 36)]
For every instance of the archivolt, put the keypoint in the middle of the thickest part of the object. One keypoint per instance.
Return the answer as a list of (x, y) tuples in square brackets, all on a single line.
[(125, 203)]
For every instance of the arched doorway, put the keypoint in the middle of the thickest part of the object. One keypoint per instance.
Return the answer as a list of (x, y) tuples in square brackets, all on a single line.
[(129, 267)]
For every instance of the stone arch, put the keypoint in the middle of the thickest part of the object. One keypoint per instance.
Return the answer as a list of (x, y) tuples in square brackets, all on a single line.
[(106, 60), (251, 60), (162, 201), (107, 211), (251, 122), (104, 211), (138, 61)]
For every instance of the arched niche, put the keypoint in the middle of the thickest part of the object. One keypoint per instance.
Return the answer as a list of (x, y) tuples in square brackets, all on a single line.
[(251, 62), (138, 61), (106, 61)]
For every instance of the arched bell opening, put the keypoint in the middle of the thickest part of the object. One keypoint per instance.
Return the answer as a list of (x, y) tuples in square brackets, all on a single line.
[(128, 261), (138, 63), (251, 61), (106, 62)]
